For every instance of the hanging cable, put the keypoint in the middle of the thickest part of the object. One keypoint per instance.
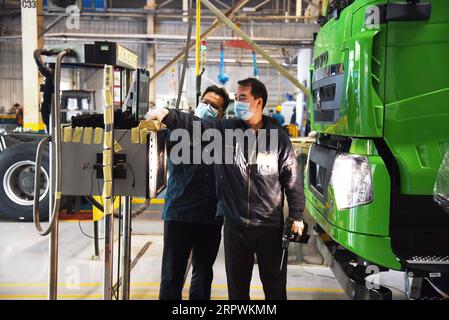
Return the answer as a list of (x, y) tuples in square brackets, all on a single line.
[(186, 56), (85, 234), (255, 69), (197, 51)]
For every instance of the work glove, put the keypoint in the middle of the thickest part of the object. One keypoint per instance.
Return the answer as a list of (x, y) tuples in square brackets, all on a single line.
[(156, 114), (298, 227), (151, 125)]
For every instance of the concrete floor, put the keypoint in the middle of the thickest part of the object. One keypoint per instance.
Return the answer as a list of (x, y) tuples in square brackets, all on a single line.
[(24, 265)]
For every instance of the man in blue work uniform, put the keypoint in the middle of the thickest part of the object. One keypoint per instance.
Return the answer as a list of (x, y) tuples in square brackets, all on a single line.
[(190, 223), (278, 116)]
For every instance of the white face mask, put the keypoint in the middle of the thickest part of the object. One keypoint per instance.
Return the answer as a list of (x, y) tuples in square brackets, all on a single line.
[(205, 111), (241, 110)]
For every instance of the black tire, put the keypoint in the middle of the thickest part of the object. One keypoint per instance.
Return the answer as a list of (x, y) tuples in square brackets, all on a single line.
[(10, 141), (15, 200)]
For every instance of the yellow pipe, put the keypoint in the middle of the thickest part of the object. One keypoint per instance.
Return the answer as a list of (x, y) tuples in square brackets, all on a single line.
[(198, 37)]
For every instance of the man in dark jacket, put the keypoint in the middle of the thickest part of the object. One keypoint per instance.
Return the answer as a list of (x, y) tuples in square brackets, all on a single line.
[(251, 189), (190, 224)]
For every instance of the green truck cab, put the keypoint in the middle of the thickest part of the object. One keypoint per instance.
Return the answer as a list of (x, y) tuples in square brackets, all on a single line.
[(380, 103)]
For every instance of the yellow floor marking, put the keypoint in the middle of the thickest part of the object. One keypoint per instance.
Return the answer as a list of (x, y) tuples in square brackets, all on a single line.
[(43, 296), (330, 290), (100, 296), (157, 284), (152, 201), (87, 284)]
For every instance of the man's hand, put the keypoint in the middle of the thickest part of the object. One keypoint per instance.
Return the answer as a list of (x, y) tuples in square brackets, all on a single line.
[(298, 228), (156, 114)]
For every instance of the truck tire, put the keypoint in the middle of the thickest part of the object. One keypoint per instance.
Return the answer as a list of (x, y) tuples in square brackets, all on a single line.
[(17, 182), (8, 141)]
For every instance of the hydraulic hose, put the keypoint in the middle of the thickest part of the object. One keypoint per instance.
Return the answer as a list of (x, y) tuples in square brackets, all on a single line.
[(55, 135), (43, 69), (37, 187), (48, 85), (94, 202), (141, 209), (98, 205)]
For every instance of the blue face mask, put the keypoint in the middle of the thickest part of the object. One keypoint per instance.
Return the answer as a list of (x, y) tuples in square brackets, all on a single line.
[(205, 111), (241, 110)]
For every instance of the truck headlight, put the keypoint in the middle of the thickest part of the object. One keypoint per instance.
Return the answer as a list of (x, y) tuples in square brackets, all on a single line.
[(351, 181)]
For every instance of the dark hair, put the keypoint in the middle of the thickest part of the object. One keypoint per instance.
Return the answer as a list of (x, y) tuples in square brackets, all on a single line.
[(16, 104), (258, 89), (219, 91)]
